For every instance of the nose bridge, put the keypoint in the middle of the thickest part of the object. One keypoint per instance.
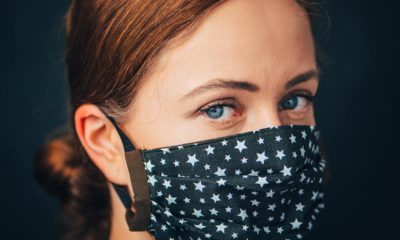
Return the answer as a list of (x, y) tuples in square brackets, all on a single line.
[(265, 115)]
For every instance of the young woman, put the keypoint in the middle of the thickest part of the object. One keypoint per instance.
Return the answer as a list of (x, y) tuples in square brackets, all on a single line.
[(190, 120)]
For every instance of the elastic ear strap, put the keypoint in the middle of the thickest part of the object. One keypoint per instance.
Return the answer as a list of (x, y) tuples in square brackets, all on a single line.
[(128, 146), (139, 220)]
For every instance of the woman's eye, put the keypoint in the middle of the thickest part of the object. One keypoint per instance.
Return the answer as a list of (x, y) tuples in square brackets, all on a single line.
[(296, 102), (219, 111)]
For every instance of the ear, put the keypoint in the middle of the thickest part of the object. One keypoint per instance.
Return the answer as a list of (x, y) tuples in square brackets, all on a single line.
[(102, 143)]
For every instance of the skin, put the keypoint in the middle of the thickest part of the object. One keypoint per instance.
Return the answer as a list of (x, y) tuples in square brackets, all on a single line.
[(266, 43)]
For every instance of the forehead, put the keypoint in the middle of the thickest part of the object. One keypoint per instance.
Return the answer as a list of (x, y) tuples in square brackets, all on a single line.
[(242, 39)]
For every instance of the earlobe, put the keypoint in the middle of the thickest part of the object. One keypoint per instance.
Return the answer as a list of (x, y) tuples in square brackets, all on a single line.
[(100, 140)]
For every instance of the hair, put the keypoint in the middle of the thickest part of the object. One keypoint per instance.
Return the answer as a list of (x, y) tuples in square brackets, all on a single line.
[(111, 47)]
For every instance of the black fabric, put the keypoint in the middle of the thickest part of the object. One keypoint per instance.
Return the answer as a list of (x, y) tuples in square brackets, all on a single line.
[(265, 184)]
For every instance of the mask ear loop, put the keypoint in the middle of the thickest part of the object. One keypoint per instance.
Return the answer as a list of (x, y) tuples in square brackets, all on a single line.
[(138, 220)]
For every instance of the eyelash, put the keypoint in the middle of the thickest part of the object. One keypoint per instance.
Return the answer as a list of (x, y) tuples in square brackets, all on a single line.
[(225, 103), (305, 94)]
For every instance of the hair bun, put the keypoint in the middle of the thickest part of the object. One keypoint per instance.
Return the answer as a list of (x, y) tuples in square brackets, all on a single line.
[(56, 164)]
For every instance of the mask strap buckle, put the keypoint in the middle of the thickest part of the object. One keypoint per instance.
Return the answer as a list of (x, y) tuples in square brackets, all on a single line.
[(138, 220)]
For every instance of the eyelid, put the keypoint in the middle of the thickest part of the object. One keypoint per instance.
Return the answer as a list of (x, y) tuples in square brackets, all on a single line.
[(299, 93), (302, 93), (224, 101)]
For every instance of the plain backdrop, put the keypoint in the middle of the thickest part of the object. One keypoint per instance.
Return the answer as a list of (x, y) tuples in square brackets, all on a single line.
[(356, 109)]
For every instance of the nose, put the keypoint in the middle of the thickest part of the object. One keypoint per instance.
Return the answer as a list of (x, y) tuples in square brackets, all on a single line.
[(264, 116)]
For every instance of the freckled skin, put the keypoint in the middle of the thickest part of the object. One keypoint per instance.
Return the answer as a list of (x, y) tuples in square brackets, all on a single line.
[(265, 42)]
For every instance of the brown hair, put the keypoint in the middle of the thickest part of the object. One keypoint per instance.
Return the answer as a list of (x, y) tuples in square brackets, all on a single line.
[(111, 47)]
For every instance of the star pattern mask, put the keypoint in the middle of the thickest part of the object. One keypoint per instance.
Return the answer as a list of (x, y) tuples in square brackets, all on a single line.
[(264, 184)]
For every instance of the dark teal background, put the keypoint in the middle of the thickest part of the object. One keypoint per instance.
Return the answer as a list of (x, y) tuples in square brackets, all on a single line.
[(357, 109)]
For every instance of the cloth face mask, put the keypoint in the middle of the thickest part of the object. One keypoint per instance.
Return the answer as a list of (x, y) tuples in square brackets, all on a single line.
[(264, 184)]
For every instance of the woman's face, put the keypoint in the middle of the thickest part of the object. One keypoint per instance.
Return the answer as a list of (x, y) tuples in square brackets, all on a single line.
[(247, 65)]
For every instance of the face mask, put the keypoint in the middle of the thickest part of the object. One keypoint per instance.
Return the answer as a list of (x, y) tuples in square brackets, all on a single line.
[(264, 184)]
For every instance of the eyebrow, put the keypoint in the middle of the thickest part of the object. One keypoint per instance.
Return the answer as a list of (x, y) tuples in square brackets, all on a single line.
[(247, 86)]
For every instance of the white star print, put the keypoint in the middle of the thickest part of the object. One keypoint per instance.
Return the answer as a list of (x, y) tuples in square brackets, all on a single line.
[(221, 227), (228, 209), (209, 150), (152, 180), (280, 154), (240, 145), (262, 181), (213, 211), (310, 225), (238, 173), (220, 172), (292, 139), (255, 202), (303, 134), (199, 186), (149, 165), (296, 224), (215, 198), (176, 163), (253, 173), (167, 184), (171, 199), (261, 157), (303, 151), (299, 207), (270, 193), (221, 182), (299, 236), (200, 226), (197, 213), (243, 214), (314, 195), (271, 207), (192, 159), (286, 171)]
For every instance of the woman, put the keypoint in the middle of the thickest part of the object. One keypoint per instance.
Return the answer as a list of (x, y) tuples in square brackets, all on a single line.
[(168, 98)]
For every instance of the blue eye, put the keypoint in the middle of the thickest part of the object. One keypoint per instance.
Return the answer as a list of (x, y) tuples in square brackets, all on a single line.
[(290, 103), (296, 102), (219, 111), (215, 111)]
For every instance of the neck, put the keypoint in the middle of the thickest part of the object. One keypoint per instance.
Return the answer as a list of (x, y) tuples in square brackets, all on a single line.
[(119, 227)]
